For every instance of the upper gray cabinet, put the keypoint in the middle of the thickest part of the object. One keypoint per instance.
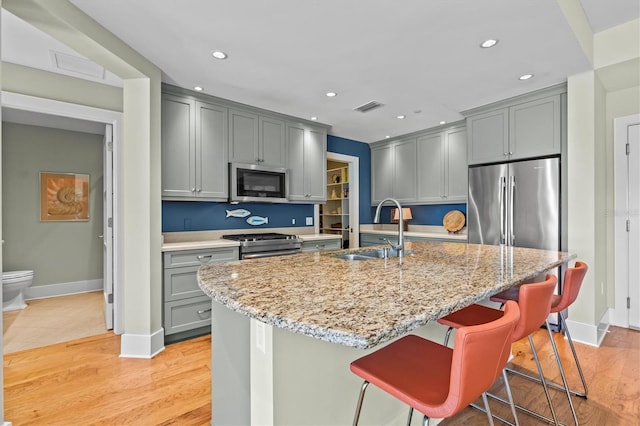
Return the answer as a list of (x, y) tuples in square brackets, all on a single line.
[(393, 171), (307, 163), (256, 139), (530, 126), (194, 149), (442, 166)]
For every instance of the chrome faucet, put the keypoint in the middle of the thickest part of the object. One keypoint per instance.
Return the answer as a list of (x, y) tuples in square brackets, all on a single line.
[(400, 246)]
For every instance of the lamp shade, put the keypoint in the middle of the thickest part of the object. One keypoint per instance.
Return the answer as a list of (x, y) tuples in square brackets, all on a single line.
[(406, 214)]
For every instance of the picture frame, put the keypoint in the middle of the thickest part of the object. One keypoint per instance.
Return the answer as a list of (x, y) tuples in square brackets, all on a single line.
[(64, 197)]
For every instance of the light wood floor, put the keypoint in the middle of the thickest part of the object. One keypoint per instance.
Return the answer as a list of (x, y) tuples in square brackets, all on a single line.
[(53, 320), (85, 383)]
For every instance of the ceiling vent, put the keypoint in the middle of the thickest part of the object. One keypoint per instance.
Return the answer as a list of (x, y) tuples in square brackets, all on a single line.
[(368, 106)]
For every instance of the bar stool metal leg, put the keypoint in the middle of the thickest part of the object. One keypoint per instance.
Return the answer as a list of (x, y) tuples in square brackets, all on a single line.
[(575, 356), (543, 381), (486, 406), (359, 406), (510, 396), (410, 415), (562, 375)]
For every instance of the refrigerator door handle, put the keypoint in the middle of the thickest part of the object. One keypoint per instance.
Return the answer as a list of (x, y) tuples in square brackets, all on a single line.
[(512, 196), (502, 203)]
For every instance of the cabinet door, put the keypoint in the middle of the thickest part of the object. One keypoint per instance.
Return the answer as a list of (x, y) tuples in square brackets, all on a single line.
[(272, 147), (243, 137), (381, 173), (315, 164), (404, 174), (211, 152), (534, 128), (295, 162), (430, 168), (488, 137), (456, 165), (178, 147), (307, 163)]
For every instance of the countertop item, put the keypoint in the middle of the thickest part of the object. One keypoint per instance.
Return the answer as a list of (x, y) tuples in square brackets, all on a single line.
[(453, 221), (364, 303)]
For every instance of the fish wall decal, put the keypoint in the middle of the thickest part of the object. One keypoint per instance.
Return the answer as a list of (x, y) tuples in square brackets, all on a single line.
[(237, 213), (257, 220)]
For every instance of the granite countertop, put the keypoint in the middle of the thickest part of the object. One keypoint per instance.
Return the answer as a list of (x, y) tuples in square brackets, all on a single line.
[(364, 303)]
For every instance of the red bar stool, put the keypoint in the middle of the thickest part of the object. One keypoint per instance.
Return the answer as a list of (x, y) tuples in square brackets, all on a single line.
[(535, 304), (572, 282), (436, 380)]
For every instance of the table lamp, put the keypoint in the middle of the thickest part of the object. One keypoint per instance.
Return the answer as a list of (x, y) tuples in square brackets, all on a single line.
[(406, 216)]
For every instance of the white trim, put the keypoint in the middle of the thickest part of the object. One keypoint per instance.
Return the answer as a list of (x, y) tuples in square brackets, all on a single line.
[(62, 289), (141, 345), (354, 194), (82, 112), (589, 334)]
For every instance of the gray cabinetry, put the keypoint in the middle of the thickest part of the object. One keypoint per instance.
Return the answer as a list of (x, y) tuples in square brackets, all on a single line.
[(243, 137), (524, 128), (256, 139), (186, 309), (393, 171), (307, 163), (194, 149), (321, 245)]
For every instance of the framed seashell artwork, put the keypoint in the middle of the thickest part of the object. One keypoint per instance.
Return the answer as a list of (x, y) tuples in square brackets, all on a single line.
[(64, 197)]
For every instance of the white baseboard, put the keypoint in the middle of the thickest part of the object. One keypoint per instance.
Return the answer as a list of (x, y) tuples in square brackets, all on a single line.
[(62, 289), (141, 345), (6, 423), (589, 334)]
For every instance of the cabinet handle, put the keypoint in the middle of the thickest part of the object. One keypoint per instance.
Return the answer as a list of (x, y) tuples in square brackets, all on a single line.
[(504, 153), (203, 257), (510, 152), (199, 190), (193, 190), (202, 311)]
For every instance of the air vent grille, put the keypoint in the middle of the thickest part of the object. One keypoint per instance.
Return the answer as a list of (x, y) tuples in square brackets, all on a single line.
[(368, 106)]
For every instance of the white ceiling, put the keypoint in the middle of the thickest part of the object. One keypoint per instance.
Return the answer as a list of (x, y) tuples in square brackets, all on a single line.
[(421, 60)]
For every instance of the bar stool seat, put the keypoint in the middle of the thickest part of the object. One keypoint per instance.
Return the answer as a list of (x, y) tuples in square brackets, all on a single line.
[(436, 380)]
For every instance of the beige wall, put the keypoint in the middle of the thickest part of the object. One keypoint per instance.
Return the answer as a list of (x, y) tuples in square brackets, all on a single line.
[(58, 252)]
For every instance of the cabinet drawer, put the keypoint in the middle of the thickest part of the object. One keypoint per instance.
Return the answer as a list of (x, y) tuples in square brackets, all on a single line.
[(322, 245), (181, 283), (198, 257), (376, 239), (187, 314)]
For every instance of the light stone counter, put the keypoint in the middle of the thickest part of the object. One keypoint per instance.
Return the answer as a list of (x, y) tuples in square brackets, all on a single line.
[(285, 329), (319, 237), (364, 303)]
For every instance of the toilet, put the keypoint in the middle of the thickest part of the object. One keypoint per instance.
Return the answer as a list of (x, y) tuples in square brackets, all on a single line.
[(13, 285)]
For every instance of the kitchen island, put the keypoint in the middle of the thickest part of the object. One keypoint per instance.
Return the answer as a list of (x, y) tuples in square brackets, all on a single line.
[(284, 329)]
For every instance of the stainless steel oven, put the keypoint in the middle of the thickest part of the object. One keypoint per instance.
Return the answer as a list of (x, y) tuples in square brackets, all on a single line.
[(253, 246)]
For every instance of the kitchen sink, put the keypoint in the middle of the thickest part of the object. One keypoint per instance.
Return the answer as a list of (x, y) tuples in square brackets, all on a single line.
[(371, 254)]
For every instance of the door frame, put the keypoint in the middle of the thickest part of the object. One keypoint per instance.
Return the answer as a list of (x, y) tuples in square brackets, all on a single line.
[(619, 314), (354, 195), (81, 112)]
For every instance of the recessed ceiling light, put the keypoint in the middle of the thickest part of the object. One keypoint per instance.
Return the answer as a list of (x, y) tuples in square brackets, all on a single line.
[(401, 117), (525, 77), (218, 54), (331, 94), (489, 43), (387, 137), (443, 122), (314, 118), (198, 88)]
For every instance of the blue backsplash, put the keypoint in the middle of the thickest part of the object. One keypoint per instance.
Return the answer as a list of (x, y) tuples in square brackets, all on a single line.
[(204, 216), (422, 215)]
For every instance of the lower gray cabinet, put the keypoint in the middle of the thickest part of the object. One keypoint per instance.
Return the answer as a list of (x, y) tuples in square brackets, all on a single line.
[(186, 309), (320, 245)]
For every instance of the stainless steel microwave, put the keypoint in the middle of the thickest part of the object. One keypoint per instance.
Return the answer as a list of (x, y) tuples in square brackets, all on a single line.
[(253, 182)]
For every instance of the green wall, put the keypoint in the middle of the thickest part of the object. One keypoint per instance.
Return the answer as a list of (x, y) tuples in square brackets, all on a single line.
[(58, 252)]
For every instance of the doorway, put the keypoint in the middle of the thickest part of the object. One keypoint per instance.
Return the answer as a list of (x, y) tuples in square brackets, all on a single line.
[(340, 214), (109, 122), (626, 312)]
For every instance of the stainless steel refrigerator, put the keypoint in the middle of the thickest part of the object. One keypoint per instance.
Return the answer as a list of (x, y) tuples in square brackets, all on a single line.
[(515, 204)]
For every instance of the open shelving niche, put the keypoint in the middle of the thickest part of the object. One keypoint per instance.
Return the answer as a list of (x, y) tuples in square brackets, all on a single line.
[(334, 214)]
